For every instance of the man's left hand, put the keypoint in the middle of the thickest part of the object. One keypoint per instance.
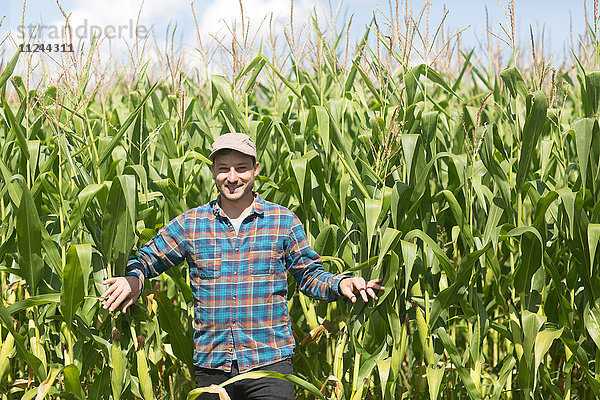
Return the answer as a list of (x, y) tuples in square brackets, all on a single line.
[(350, 286)]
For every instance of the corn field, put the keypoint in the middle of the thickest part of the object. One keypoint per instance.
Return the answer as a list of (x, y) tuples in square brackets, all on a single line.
[(474, 192)]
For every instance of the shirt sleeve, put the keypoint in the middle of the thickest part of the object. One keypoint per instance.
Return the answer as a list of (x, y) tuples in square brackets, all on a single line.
[(165, 250), (305, 265)]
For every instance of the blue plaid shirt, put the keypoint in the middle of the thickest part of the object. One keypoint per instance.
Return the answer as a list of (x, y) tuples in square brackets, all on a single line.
[(239, 281)]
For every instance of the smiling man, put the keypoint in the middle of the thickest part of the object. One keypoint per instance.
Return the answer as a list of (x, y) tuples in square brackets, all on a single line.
[(239, 249)]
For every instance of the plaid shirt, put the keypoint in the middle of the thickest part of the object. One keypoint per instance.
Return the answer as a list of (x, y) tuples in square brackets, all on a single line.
[(239, 282)]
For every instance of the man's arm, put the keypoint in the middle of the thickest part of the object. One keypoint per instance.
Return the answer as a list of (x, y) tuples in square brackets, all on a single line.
[(167, 249), (305, 264)]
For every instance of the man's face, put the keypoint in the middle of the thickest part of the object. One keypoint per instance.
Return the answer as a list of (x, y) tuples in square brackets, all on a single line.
[(234, 174)]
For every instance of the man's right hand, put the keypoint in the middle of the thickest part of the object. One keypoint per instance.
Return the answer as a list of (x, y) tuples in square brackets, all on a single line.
[(122, 290)]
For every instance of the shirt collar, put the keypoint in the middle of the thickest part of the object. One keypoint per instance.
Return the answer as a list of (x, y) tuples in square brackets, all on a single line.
[(258, 207)]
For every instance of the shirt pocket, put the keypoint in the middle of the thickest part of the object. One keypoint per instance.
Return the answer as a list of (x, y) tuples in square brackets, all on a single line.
[(264, 258), (208, 258)]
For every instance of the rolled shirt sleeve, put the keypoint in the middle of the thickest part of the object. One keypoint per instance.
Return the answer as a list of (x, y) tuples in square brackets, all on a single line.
[(165, 250)]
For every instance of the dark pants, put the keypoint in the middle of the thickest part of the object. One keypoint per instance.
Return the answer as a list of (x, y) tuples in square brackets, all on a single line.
[(248, 389)]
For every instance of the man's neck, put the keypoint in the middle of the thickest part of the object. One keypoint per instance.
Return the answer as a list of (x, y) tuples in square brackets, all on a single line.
[(238, 208)]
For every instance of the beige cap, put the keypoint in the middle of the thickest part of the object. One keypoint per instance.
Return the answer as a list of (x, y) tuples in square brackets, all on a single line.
[(234, 141)]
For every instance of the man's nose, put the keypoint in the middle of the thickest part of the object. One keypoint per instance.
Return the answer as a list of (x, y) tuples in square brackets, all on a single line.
[(232, 175)]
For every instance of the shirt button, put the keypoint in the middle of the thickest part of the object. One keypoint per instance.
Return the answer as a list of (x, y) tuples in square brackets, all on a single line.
[(237, 249), (235, 297), (235, 272)]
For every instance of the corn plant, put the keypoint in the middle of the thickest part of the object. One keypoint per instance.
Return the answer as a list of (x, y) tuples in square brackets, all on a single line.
[(474, 196)]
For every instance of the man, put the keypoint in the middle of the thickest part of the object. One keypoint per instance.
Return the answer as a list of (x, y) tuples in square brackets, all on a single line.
[(239, 249)]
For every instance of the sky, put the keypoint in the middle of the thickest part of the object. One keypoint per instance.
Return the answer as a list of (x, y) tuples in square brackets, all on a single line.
[(119, 21)]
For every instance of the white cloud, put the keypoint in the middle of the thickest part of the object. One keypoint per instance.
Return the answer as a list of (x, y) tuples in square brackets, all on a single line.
[(116, 21), (214, 17), (218, 14)]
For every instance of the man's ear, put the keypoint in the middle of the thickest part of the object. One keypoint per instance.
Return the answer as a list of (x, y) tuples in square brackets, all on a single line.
[(256, 168)]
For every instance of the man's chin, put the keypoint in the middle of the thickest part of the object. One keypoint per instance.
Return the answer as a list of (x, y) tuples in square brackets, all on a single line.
[(232, 196)]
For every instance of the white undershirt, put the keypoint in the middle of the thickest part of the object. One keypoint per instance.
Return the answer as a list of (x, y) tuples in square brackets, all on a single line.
[(236, 223)]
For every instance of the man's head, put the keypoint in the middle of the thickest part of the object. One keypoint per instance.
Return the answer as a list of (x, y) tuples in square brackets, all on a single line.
[(234, 166)]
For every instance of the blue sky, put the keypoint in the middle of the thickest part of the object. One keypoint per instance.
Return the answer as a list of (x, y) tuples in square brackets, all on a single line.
[(550, 16)]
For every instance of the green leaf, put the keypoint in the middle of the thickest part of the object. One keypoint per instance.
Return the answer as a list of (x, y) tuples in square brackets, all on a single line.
[(223, 88), (107, 150), (584, 129), (256, 65), (180, 282), (459, 217), (494, 168), (593, 240), (388, 240), (34, 301), (101, 383), (372, 210), (437, 250), (531, 324), (456, 358), (543, 341), (411, 80), (266, 374), (166, 134), (514, 82), (435, 375), (351, 169), (24, 354), (409, 255), (118, 223), (29, 241), (117, 369), (532, 256), (390, 277), (169, 321), (435, 77), (409, 145), (8, 71), (568, 200), (73, 291), (45, 386), (449, 295), (323, 124), (16, 128), (383, 368), (349, 84), (284, 79), (369, 363), (536, 124), (466, 64), (591, 319), (79, 208), (367, 81), (72, 381), (506, 371), (299, 168), (591, 97), (302, 174)]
